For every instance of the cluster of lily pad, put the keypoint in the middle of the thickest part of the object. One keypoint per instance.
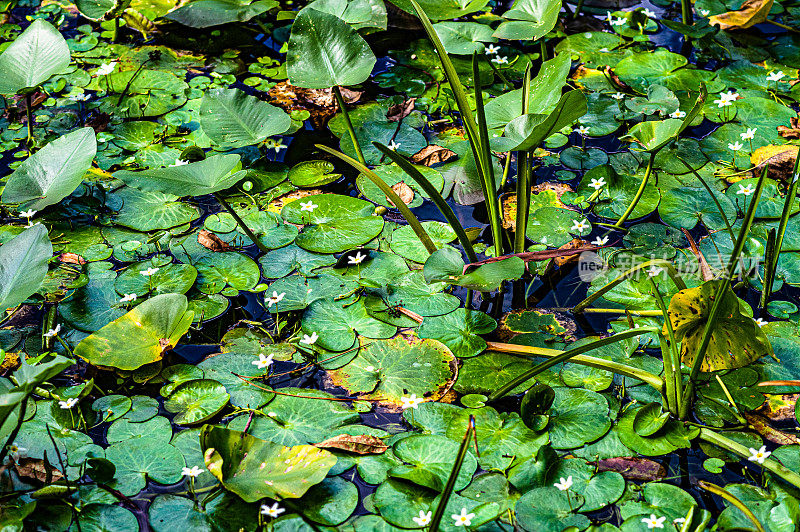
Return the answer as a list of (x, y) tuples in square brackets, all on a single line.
[(223, 312)]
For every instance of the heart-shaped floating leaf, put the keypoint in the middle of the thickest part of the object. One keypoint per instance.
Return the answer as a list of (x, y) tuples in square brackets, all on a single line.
[(388, 370), (196, 401), (23, 265), (52, 173), (194, 179), (254, 469), (141, 336), (446, 265), (33, 58), (530, 19), (324, 51), (736, 339), (334, 223), (443, 9), (234, 119)]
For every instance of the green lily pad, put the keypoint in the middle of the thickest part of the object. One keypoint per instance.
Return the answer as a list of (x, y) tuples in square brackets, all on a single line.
[(577, 416), (196, 401), (429, 461), (331, 502), (547, 509), (459, 331), (139, 459), (234, 119), (202, 177)]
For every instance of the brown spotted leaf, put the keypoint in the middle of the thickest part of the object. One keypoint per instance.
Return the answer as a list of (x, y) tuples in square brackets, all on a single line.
[(405, 192), (400, 110), (71, 258), (360, 444), (736, 339)]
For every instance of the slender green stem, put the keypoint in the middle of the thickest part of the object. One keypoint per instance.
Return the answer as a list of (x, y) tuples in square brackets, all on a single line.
[(713, 196), (769, 254), (578, 9), (435, 197), (728, 496), (543, 48), (339, 100), (787, 209), (48, 324), (506, 170), (784, 26), (659, 263), (720, 296), (401, 206), (29, 115), (523, 177), (451, 481), (729, 397), (639, 193), (572, 355), (647, 313), (669, 355), (486, 160), (687, 17), (770, 465), (241, 223)]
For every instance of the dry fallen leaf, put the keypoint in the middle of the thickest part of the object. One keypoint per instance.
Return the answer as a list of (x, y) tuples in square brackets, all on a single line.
[(37, 469), (320, 103), (792, 131), (71, 258), (780, 159), (432, 154), (633, 468), (209, 240), (405, 192), (751, 13), (575, 243), (361, 444), (779, 407), (760, 425), (400, 110)]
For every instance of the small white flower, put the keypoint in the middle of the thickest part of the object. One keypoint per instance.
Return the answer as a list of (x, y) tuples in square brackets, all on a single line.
[(371, 369), (500, 60), (72, 401), (736, 146), (410, 402), (272, 511), (463, 519), (749, 134), (17, 452), (654, 270), (52, 332), (149, 271), (649, 13), (620, 21), (263, 361), (746, 190), (653, 521), (276, 298), (179, 162), (723, 103), (582, 130), (759, 455), (106, 69), (28, 214), (423, 519), (491, 49), (597, 184), (357, 259), (80, 97), (579, 226), (564, 483), (678, 114), (278, 146), (393, 145), (761, 322), (618, 96), (705, 12), (309, 340), (775, 76), (127, 298), (609, 17), (600, 241), (679, 520), (308, 206), (191, 472), (272, 414)]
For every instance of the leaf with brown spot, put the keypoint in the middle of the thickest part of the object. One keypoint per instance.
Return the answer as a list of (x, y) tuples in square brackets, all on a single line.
[(361, 444), (633, 468), (165, 345), (791, 132), (751, 13), (209, 240), (575, 243), (760, 425), (432, 154), (779, 407)]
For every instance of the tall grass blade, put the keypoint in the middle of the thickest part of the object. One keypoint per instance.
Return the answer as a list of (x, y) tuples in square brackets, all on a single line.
[(451, 481)]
